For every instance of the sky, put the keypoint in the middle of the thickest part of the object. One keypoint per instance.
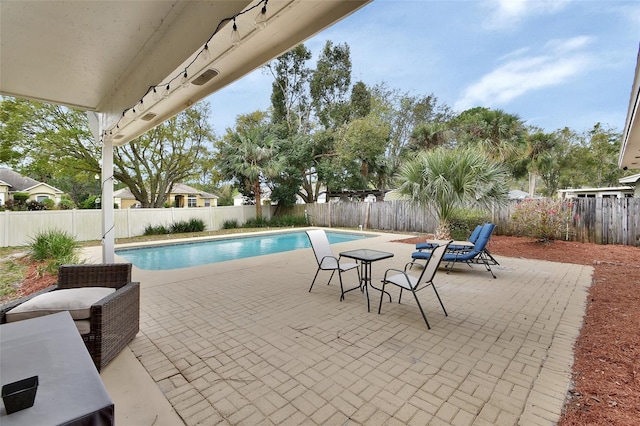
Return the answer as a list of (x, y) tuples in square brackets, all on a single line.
[(554, 63)]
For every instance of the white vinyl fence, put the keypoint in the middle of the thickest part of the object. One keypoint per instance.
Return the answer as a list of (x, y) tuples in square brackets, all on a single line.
[(19, 228)]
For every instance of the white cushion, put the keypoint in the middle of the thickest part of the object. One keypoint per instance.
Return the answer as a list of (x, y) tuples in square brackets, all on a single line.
[(83, 326), (77, 301)]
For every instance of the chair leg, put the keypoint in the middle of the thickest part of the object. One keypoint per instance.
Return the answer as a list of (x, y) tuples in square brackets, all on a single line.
[(421, 310), (331, 277), (439, 300), (341, 287), (485, 261), (314, 279), (400, 297), (491, 257), (366, 289), (381, 296)]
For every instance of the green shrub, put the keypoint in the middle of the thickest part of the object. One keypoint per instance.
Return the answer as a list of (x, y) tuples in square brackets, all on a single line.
[(19, 202), (181, 227), (288, 220), (275, 222), (66, 204), (258, 222), (55, 247), (545, 219), (20, 197), (90, 202), (33, 205), (156, 230), (230, 224), (49, 204), (464, 221), (192, 225)]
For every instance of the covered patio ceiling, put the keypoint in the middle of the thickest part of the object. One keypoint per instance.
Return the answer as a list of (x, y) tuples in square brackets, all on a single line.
[(107, 56), (630, 151)]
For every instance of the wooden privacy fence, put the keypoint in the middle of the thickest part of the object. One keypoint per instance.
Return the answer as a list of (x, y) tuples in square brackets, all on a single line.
[(597, 220)]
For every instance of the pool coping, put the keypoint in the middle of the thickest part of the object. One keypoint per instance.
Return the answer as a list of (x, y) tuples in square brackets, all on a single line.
[(190, 240)]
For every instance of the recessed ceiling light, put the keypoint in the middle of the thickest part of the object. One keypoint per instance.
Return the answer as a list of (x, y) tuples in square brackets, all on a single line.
[(205, 76)]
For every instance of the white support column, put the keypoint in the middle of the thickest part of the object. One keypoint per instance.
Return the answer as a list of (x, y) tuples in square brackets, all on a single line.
[(108, 222), (97, 126)]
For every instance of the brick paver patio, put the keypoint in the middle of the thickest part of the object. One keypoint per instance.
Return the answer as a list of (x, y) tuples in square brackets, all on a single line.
[(244, 342)]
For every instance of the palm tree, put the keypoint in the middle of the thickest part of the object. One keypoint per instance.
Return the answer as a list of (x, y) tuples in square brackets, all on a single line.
[(499, 134), (450, 180), (247, 157)]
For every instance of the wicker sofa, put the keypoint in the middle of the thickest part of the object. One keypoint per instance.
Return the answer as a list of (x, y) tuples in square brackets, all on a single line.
[(114, 320)]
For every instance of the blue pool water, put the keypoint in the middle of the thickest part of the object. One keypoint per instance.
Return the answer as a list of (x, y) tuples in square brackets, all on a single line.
[(201, 253)]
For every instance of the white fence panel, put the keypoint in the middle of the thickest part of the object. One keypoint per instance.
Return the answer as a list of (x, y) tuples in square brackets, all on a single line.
[(86, 225), (19, 228)]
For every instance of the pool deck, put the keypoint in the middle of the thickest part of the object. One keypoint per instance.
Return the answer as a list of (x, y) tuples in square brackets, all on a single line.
[(244, 342)]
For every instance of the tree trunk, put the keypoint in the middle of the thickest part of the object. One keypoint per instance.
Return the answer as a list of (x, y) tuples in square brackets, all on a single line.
[(532, 184), (256, 192), (443, 232)]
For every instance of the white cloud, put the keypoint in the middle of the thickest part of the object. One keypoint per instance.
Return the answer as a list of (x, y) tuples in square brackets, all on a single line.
[(507, 14), (564, 60)]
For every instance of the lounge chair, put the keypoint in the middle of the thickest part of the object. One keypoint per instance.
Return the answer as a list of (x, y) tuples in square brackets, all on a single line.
[(430, 245), (477, 253), (414, 284), (326, 260)]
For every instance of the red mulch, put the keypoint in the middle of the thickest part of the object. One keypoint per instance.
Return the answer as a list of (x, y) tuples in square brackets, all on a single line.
[(35, 279), (606, 370)]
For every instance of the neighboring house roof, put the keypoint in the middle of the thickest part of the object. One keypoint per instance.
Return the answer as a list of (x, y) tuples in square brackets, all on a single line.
[(123, 194), (181, 188), (19, 183), (16, 180), (630, 179), (56, 190), (516, 194), (597, 190)]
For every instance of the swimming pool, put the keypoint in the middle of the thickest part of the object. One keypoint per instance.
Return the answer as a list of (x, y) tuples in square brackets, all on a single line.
[(185, 255)]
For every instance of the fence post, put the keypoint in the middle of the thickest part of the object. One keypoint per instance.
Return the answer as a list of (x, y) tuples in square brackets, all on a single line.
[(5, 239)]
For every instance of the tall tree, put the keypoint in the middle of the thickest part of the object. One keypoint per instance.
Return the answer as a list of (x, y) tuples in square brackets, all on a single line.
[(499, 134), (50, 143), (360, 102), (246, 156), (539, 157), (330, 84), (586, 159), (604, 147), (452, 179), (168, 154), (56, 145), (310, 104), (290, 102), (361, 147)]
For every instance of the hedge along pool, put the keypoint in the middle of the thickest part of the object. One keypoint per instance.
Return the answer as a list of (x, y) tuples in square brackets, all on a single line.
[(185, 255)]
